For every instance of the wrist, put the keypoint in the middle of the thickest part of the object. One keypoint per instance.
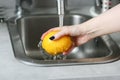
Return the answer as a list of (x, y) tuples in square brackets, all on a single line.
[(92, 29)]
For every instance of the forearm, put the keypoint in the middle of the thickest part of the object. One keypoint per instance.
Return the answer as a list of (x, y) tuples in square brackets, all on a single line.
[(105, 23)]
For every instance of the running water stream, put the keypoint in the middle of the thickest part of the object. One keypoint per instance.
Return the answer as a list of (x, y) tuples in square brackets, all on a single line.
[(60, 8)]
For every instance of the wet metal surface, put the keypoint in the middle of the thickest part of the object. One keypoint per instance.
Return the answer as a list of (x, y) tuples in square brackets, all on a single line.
[(26, 32)]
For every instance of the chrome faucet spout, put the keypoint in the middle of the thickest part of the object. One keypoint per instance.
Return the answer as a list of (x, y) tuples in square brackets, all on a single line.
[(61, 7)]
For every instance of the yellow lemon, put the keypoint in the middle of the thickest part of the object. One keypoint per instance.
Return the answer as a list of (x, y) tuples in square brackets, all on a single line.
[(58, 46)]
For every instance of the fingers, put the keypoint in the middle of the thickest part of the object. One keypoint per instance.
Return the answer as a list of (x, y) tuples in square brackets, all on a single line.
[(69, 50), (81, 40), (77, 42), (63, 31), (53, 29)]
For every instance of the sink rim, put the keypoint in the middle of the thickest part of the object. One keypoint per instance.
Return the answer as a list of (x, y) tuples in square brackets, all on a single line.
[(21, 56)]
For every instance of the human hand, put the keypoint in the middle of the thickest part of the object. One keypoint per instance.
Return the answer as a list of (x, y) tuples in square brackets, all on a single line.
[(77, 34)]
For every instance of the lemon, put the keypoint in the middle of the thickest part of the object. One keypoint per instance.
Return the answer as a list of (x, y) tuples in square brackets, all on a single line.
[(58, 46)]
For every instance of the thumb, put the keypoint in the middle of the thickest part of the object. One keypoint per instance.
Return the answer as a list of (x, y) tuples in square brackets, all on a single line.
[(60, 34)]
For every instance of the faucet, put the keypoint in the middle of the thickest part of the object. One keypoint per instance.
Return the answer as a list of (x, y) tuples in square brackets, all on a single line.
[(103, 5), (23, 4), (26, 5), (61, 7)]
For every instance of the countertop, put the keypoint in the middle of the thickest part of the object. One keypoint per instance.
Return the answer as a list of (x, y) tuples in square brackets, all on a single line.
[(12, 69)]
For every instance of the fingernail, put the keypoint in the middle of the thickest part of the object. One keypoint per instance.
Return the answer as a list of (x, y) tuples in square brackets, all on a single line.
[(52, 38), (64, 53)]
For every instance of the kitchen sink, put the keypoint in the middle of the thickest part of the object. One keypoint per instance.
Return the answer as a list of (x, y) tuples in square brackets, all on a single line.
[(25, 33)]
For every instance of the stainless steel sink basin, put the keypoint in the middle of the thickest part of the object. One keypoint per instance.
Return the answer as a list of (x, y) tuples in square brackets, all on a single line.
[(25, 35)]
